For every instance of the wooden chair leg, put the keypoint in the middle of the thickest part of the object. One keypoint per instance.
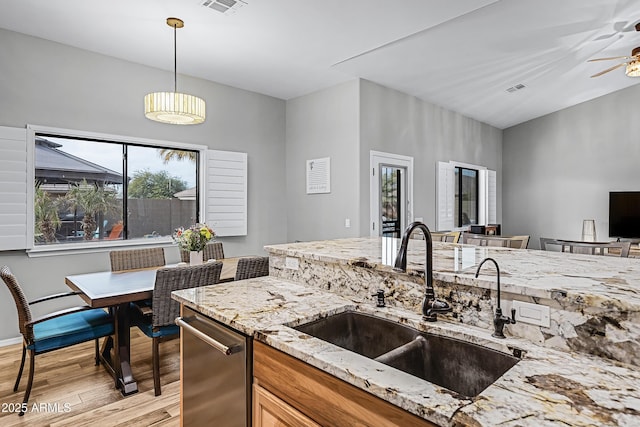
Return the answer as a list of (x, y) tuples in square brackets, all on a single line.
[(24, 354), (156, 366), (32, 359)]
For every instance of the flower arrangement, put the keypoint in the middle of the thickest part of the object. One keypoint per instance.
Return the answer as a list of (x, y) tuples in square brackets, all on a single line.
[(194, 238)]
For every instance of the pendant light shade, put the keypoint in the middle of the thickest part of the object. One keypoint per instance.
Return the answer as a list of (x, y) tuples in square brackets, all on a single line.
[(174, 107)]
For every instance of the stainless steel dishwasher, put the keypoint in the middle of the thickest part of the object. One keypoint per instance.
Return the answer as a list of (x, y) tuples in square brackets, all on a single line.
[(215, 373)]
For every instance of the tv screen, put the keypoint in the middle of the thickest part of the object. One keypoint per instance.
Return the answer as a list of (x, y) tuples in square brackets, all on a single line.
[(624, 214)]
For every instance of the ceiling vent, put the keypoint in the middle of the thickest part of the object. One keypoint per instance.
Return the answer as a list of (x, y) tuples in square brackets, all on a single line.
[(516, 88), (227, 7)]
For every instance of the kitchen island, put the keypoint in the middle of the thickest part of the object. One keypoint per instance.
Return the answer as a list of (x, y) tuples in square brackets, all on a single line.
[(593, 302), (546, 387)]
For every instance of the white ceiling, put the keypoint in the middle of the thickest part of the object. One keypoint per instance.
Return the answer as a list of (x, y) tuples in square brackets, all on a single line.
[(460, 54)]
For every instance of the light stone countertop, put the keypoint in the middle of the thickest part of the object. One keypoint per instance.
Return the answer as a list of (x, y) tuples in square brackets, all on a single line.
[(546, 387), (599, 280)]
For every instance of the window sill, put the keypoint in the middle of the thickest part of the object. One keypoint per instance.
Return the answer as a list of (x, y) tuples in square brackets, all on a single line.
[(97, 246)]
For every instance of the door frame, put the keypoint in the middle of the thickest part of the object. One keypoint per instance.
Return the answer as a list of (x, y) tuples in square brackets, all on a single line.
[(377, 158)]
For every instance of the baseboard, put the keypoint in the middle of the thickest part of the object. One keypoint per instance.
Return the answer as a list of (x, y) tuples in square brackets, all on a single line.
[(10, 341)]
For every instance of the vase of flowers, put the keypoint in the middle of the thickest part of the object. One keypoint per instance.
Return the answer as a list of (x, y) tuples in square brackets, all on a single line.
[(194, 239)]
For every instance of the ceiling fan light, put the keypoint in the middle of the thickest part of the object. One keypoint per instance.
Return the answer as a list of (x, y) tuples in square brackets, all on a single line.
[(175, 108), (633, 69)]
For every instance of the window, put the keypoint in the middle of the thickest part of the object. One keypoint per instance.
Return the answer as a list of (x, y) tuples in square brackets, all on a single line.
[(466, 196), (84, 186), (46, 173), (390, 200)]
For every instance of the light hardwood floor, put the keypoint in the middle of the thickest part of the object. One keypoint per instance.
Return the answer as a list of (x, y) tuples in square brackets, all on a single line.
[(69, 390)]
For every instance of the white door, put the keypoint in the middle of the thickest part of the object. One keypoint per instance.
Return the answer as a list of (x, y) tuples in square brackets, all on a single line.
[(391, 193)]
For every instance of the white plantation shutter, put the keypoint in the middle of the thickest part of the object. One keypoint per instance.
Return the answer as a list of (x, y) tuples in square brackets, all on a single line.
[(487, 197), (492, 195), (13, 188), (445, 196), (226, 192)]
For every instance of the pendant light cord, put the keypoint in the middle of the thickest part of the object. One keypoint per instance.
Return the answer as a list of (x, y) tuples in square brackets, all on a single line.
[(175, 58)]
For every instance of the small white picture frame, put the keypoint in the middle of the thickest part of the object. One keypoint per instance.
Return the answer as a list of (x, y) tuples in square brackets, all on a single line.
[(319, 176)]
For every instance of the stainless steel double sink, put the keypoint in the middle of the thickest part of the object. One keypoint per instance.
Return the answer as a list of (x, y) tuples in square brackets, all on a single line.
[(463, 367)]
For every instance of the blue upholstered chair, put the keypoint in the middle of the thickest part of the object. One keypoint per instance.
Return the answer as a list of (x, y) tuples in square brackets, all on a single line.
[(159, 323), (53, 331)]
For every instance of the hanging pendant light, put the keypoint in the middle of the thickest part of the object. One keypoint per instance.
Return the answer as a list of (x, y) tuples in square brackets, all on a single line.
[(174, 107)]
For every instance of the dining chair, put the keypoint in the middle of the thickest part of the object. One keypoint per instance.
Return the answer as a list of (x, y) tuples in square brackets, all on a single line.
[(213, 250), (159, 324), (132, 259), (498, 243), (53, 331), (251, 267), (513, 242), (446, 236), (617, 249), (482, 240), (519, 242)]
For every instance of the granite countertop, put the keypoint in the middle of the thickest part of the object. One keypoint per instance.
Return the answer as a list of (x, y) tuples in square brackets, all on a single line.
[(535, 273), (546, 387)]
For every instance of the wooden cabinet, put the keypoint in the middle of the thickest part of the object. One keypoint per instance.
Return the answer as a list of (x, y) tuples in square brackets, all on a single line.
[(321, 397), (269, 411)]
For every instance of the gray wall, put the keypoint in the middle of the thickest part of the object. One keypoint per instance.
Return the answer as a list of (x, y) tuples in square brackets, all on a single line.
[(558, 169), (50, 84), (345, 122), (394, 122), (323, 124)]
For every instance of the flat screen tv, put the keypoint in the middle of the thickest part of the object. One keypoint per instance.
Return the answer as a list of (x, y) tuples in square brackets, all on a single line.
[(624, 214)]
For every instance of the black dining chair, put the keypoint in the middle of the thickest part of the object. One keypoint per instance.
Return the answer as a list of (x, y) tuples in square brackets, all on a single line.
[(159, 323), (53, 331)]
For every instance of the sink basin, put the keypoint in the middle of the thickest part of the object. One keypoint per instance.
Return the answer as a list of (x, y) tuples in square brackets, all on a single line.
[(367, 335), (457, 365)]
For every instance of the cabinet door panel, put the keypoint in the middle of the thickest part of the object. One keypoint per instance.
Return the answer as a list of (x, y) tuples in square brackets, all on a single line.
[(327, 399), (269, 411)]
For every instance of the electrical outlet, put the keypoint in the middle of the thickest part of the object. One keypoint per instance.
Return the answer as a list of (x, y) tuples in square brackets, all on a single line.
[(534, 314), (347, 223)]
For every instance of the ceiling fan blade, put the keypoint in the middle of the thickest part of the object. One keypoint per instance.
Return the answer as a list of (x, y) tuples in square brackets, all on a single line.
[(622, 26), (608, 59), (604, 37), (610, 69)]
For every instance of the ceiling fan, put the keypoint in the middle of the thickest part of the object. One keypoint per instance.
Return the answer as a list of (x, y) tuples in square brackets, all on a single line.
[(633, 63)]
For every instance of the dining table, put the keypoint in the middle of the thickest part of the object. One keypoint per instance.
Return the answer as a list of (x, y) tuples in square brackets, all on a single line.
[(115, 290)]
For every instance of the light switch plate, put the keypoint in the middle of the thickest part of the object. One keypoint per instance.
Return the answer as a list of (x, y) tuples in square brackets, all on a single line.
[(291, 263), (534, 314)]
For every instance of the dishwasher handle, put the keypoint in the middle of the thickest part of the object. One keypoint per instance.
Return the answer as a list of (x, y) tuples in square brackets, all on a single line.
[(224, 349)]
